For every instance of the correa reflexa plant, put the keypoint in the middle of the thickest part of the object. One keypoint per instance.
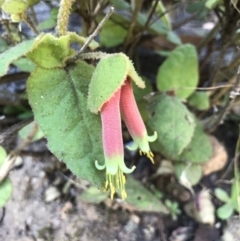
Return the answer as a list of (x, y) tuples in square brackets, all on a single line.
[(66, 93), (79, 104), (115, 99)]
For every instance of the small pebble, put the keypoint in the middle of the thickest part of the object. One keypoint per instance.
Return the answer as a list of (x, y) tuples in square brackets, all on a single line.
[(51, 194)]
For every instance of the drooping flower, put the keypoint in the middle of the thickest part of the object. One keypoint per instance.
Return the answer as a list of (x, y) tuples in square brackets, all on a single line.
[(110, 93), (113, 146), (134, 122)]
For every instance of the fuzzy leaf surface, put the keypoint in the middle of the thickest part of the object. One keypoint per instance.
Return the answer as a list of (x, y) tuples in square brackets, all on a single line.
[(188, 173), (221, 195), (14, 53), (6, 185), (199, 100), (59, 101), (51, 52), (142, 199), (173, 122), (114, 31), (108, 77), (225, 211), (199, 149), (5, 191), (179, 70), (93, 195)]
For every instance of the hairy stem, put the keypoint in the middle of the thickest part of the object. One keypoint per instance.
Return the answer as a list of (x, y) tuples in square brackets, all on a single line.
[(63, 16)]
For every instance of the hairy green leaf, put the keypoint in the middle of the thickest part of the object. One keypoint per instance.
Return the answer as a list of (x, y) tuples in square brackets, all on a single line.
[(5, 191), (190, 173), (108, 77), (199, 149), (59, 101), (93, 195), (173, 123), (120, 4), (221, 195), (25, 131), (51, 52), (225, 211), (142, 199), (14, 6), (114, 31), (24, 64), (7, 57), (3, 45), (199, 100), (161, 11), (179, 73), (3, 155)]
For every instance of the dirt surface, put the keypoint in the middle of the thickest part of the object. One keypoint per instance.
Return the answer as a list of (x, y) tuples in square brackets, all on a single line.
[(28, 217)]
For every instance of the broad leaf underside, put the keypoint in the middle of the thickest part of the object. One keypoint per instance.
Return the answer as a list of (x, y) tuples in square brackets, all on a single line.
[(59, 101)]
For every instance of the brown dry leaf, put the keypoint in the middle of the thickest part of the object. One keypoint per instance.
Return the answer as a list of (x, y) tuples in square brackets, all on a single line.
[(218, 159), (201, 208)]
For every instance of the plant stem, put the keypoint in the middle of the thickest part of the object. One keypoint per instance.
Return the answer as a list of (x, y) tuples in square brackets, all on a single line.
[(134, 19), (232, 96), (96, 31), (138, 36), (63, 17), (11, 130), (30, 24)]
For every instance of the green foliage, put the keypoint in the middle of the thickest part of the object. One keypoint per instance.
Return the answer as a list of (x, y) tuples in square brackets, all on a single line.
[(199, 149), (188, 174), (32, 2), (57, 49), (180, 70), (14, 6), (114, 31), (211, 4), (199, 100), (93, 195), (7, 57), (50, 22), (24, 64), (161, 11), (173, 208), (3, 155), (120, 4), (5, 191), (197, 8), (58, 98), (157, 28), (60, 94), (142, 199), (6, 184), (231, 202), (173, 122), (225, 211), (138, 197), (25, 131), (222, 195), (3, 45), (109, 76)]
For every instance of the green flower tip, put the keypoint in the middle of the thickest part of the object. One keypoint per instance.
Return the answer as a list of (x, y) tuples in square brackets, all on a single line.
[(115, 179), (143, 144)]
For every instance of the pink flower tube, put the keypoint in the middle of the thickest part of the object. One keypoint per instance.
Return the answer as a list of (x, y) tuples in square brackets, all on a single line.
[(134, 122), (113, 147)]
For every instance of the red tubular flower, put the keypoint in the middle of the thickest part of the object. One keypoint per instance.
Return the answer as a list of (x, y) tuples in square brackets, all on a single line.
[(110, 92), (113, 147), (134, 122)]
